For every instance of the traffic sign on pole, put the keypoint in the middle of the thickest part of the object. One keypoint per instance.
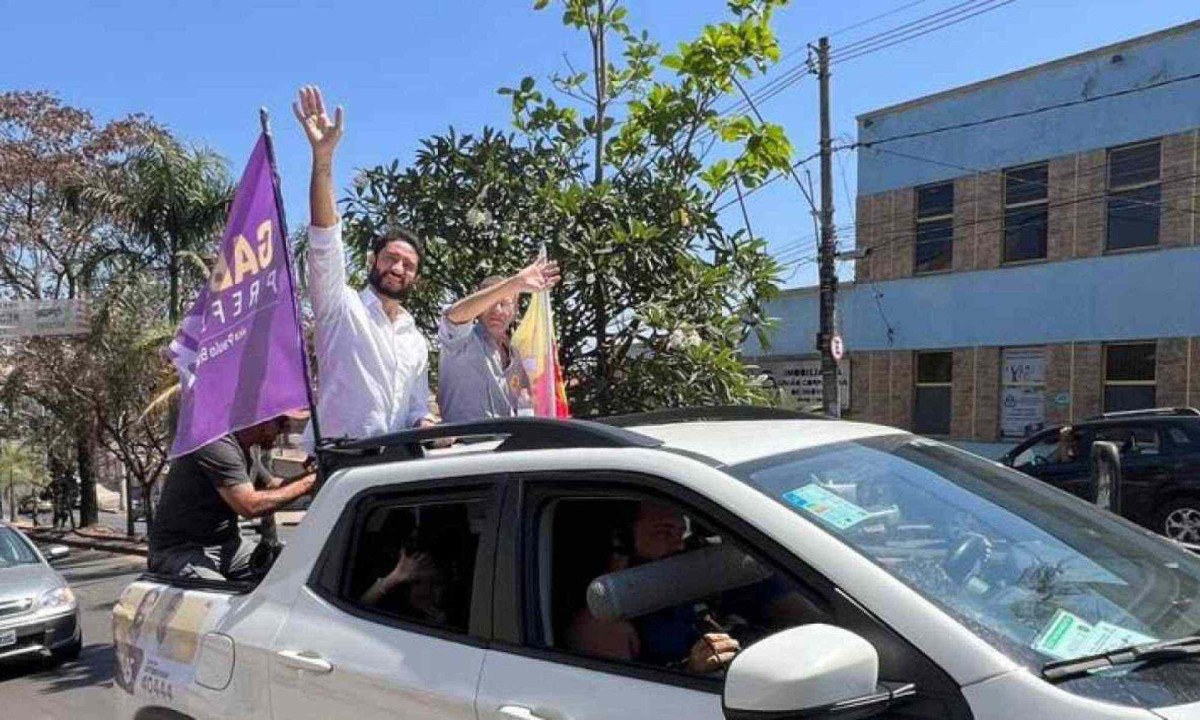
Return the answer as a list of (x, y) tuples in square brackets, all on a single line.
[(30, 318)]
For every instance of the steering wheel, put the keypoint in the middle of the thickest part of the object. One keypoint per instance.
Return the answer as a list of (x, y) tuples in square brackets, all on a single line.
[(1039, 460), (966, 558)]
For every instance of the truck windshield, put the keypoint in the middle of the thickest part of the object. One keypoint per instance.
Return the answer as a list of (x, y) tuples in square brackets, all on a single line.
[(14, 550), (1039, 574)]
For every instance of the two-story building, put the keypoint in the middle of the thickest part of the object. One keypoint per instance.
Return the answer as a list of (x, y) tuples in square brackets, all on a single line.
[(1032, 250)]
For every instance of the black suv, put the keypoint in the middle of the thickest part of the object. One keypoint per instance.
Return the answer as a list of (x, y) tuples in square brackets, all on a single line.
[(1160, 465)]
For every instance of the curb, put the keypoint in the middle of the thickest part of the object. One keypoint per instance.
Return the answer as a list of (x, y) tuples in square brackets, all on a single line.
[(124, 548)]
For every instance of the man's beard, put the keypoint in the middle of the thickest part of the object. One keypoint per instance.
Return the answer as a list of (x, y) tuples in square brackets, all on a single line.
[(375, 278)]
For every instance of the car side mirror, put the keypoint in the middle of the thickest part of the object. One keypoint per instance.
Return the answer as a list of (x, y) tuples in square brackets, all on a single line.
[(811, 671), (57, 552)]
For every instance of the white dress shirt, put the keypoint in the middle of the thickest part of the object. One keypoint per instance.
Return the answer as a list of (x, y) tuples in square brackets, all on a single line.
[(372, 373)]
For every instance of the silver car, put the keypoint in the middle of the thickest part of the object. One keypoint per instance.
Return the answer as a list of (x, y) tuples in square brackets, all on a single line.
[(38, 612)]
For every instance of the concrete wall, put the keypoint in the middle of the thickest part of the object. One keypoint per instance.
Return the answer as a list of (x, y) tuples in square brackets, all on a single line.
[(1165, 110), (1119, 297)]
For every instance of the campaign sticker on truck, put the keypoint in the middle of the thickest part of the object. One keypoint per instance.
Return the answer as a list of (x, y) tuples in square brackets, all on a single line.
[(830, 507), (1069, 636)]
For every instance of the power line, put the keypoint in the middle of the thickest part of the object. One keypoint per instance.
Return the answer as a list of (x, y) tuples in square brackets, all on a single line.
[(870, 20), (904, 26), (802, 69), (934, 21), (796, 165), (906, 38), (846, 189), (1027, 113)]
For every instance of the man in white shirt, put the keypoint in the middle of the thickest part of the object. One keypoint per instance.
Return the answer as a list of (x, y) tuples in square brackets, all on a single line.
[(372, 361)]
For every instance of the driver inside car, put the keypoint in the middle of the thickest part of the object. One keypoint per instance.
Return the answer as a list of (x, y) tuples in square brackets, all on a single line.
[(686, 636), (668, 637)]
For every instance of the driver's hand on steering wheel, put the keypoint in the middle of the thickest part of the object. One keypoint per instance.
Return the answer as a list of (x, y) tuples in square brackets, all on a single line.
[(712, 652)]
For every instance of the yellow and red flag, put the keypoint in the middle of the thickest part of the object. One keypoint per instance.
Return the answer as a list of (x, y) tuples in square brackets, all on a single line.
[(535, 342)]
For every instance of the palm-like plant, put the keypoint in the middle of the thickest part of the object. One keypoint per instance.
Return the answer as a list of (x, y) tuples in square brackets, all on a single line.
[(174, 200)]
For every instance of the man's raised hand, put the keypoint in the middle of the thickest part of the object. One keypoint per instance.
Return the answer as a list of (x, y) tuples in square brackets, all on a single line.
[(323, 134), (541, 275)]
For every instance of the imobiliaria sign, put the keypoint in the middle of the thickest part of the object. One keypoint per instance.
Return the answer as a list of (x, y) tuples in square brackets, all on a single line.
[(238, 351)]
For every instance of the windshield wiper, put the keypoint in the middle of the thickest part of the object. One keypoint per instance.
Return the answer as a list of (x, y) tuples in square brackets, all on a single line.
[(1181, 648)]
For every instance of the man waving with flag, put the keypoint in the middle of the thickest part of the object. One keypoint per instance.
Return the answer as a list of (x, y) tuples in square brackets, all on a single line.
[(372, 361)]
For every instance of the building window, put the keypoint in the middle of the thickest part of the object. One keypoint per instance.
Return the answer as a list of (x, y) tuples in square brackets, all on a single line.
[(1129, 377), (1134, 194), (931, 416), (1025, 212), (935, 228), (1023, 392)]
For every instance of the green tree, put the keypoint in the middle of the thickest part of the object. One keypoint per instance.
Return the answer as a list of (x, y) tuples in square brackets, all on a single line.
[(105, 379), (611, 173), (54, 247), (174, 200), (21, 474)]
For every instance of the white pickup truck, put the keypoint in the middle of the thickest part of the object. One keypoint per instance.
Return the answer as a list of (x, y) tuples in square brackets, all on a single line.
[(571, 570)]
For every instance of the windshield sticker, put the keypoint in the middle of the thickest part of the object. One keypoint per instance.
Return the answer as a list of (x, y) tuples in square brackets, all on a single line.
[(1070, 636), (830, 507)]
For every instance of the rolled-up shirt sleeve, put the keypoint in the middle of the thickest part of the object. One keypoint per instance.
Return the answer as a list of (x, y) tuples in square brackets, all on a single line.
[(452, 336), (326, 271)]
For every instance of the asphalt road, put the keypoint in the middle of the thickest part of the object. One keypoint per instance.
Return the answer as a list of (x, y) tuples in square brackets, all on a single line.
[(81, 689)]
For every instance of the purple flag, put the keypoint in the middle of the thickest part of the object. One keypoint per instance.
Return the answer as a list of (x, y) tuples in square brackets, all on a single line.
[(238, 350)]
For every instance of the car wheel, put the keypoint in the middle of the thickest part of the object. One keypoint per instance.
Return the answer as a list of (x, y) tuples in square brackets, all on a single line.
[(67, 653), (1179, 519)]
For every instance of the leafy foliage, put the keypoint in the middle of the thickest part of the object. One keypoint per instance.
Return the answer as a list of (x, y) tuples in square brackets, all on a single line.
[(118, 214), (609, 171)]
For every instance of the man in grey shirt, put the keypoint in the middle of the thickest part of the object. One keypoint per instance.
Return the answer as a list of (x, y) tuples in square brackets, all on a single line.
[(479, 376), (195, 532)]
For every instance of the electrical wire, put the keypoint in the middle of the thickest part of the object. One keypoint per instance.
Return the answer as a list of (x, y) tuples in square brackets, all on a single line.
[(922, 26), (1030, 112), (906, 38)]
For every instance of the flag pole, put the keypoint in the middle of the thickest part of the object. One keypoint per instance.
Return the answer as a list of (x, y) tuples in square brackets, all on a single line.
[(264, 119)]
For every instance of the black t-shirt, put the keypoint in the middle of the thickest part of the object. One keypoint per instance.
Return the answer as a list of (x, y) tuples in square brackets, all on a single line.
[(190, 510)]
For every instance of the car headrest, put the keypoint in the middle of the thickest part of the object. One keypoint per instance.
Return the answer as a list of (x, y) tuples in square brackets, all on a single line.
[(672, 581)]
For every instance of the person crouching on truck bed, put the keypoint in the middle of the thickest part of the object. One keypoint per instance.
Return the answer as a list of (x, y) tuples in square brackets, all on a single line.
[(479, 376), (195, 530)]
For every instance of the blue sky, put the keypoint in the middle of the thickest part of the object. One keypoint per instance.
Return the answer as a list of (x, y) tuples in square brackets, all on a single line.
[(405, 70)]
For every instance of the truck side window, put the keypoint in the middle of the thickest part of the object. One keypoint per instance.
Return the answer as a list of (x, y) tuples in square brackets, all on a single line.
[(1048, 451), (1134, 441), (654, 620), (416, 562)]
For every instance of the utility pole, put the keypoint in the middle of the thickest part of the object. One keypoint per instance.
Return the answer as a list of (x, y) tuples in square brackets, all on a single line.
[(828, 248)]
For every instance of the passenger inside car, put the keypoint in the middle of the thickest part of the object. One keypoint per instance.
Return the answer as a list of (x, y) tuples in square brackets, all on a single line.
[(414, 567)]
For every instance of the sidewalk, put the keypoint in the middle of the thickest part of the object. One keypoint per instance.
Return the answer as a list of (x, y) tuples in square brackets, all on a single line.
[(92, 538)]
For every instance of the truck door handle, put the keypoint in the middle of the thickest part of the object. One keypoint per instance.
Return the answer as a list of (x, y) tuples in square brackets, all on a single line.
[(305, 661), (516, 712)]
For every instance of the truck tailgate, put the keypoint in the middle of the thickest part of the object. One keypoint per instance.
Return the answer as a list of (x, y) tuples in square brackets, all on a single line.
[(156, 636)]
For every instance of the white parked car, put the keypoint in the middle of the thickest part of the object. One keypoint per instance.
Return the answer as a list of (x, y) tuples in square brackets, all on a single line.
[(588, 571)]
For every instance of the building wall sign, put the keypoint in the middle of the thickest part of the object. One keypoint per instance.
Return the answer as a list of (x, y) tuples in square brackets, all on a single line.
[(1023, 392), (30, 318), (802, 379)]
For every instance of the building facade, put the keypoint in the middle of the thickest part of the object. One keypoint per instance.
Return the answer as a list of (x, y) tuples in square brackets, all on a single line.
[(1032, 250)]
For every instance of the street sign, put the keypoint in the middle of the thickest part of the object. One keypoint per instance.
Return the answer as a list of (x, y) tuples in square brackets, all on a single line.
[(31, 318), (837, 348)]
